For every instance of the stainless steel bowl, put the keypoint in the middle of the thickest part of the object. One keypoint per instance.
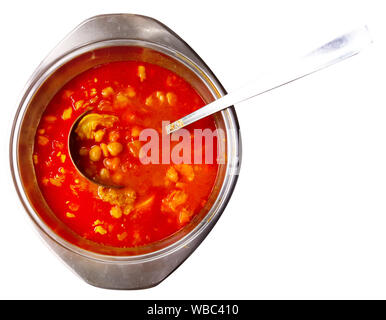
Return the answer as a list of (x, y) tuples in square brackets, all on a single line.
[(99, 40)]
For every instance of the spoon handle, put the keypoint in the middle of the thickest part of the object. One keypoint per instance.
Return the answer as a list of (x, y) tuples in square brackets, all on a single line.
[(332, 52)]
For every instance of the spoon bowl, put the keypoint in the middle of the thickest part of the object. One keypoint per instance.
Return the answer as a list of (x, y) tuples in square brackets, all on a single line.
[(74, 155)]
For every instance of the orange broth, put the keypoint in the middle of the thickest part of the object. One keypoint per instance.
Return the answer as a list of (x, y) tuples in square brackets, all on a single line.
[(157, 200)]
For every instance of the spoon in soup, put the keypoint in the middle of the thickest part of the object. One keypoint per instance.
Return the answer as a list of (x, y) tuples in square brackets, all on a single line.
[(332, 52), (83, 128)]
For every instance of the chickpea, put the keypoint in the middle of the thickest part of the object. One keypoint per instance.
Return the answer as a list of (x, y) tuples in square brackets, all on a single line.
[(104, 149), (172, 174), (117, 178), (112, 164), (107, 92), (98, 136), (104, 173), (116, 212), (121, 101), (42, 140), (115, 148), (135, 132), (115, 163), (93, 92), (107, 163), (95, 153), (141, 73)]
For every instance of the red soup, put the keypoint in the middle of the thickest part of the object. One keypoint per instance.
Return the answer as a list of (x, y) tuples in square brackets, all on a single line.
[(122, 99)]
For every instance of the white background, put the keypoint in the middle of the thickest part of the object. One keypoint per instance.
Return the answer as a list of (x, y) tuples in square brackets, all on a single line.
[(308, 216)]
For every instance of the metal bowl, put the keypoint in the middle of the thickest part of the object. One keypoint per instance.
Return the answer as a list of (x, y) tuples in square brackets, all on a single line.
[(99, 40)]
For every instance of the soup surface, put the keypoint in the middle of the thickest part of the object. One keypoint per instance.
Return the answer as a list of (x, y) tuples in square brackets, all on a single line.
[(122, 99)]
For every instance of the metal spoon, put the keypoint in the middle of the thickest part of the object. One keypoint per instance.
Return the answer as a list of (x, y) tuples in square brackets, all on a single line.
[(333, 52)]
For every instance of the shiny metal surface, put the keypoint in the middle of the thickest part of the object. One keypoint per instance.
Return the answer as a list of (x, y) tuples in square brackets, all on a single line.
[(93, 42)]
